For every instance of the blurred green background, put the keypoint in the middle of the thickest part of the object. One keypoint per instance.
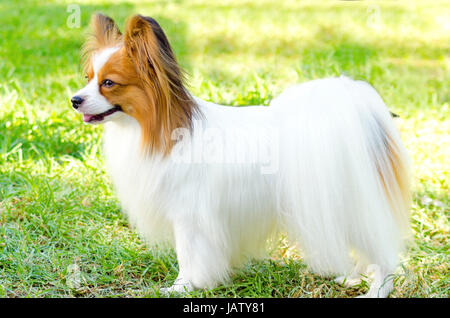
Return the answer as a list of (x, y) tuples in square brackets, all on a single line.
[(61, 230)]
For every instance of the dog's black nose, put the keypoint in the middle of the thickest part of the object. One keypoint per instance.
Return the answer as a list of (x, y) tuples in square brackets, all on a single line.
[(76, 101)]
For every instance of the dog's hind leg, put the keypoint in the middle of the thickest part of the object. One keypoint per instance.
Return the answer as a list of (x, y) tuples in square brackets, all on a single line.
[(382, 283)]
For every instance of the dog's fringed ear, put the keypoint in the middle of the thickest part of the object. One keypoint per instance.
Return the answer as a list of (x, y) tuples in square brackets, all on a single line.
[(104, 33), (170, 104), (150, 51)]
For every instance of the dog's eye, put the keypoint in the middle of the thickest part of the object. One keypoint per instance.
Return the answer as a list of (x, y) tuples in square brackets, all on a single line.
[(107, 83)]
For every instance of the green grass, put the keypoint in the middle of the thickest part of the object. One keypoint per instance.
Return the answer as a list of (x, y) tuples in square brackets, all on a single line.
[(61, 230)]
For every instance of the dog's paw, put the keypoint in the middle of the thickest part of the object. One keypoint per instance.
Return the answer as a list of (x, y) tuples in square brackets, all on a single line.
[(373, 294), (348, 281), (180, 286)]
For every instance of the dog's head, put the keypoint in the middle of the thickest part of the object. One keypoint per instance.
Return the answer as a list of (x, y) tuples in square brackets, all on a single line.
[(134, 74)]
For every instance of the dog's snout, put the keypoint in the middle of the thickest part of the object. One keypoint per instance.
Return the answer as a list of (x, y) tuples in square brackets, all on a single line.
[(76, 101)]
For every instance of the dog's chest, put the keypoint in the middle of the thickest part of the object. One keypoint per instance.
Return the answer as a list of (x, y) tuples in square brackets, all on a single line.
[(136, 178)]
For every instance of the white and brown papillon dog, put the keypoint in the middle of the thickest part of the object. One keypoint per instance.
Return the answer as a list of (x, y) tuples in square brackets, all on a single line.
[(323, 164)]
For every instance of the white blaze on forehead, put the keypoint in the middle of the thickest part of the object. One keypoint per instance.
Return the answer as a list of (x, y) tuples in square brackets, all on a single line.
[(101, 58)]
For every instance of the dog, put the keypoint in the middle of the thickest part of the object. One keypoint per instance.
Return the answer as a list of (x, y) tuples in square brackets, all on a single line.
[(323, 163)]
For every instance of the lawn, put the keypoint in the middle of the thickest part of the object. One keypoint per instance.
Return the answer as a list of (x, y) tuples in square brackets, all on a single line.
[(62, 233)]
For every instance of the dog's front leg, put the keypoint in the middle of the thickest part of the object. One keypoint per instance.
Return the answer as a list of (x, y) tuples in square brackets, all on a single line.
[(202, 257), (180, 286)]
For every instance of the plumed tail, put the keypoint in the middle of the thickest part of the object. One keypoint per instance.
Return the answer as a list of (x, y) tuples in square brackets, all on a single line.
[(392, 164)]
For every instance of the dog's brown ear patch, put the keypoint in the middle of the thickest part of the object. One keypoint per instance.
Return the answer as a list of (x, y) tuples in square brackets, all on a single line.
[(169, 106), (149, 48), (105, 33)]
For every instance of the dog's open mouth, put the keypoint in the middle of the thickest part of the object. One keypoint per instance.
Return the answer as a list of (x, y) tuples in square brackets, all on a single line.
[(88, 118)]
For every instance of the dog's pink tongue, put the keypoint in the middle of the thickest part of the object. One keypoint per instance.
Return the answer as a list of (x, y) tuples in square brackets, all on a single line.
[(87, 117)]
